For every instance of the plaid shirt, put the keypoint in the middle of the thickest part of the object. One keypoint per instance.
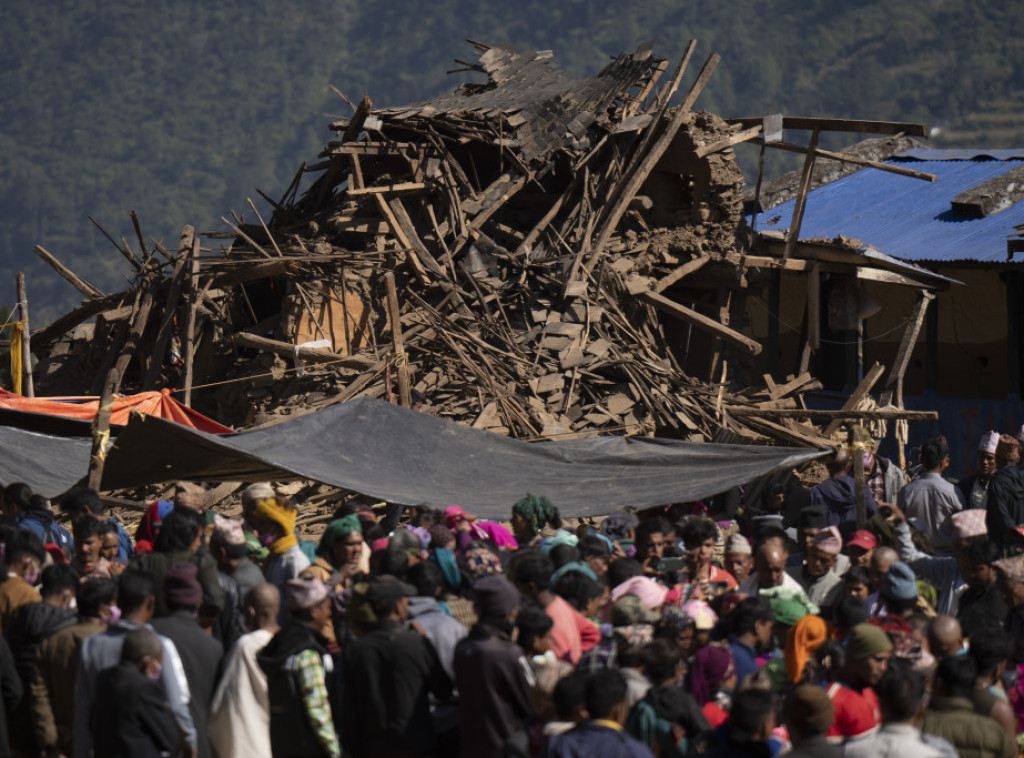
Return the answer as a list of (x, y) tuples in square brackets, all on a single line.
[(876, 483), (310, 667)]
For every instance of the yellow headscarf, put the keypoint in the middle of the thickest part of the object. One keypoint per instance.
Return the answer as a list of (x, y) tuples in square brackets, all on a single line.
[(274, 510)]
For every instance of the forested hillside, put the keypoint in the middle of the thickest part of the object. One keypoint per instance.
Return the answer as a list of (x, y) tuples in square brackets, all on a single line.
[(181, 109)]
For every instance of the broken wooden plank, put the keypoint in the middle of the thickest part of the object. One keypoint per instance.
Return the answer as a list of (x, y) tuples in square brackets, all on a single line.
[(840, 125), (893, 390), (732, 139), (290, 351), (701, 321), (385, 188), (888, 414), (858, 395), (844, 158), (76, 281), (801, 197), (685, 270)]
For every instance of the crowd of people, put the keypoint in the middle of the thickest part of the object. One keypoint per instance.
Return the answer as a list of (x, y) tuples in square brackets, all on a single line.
[(789, 625)]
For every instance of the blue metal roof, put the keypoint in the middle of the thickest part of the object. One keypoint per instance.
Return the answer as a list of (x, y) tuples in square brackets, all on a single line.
[(909, 218)]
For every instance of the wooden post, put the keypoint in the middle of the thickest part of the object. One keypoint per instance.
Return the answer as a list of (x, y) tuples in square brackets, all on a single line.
[(893, 390), (401, 359), (801, 197), (189, 322), (101, 424), (856, 442), (26, 349)]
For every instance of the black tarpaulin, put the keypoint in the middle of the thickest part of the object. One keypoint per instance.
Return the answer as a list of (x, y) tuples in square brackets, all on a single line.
[(48, 464), (402, 456)]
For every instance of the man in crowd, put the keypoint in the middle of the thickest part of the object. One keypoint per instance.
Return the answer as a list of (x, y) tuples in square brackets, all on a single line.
[(981, 602), (951, 715), (818, 576), (130, 715), (932, 499), (974, 487), (239, 720), (837, 494), (861, 548), (295, 662), (602, 733), (769, 570), (136, 596), (901, 701), (751, 634), (389, 673), (200, 653), (492, 676), (868, 650), (883, 477), (56, 665), (739, 559), (1005, 506)]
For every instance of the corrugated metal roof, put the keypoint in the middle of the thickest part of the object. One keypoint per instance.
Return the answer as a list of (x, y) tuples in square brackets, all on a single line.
[(909, 218), (924, 154)]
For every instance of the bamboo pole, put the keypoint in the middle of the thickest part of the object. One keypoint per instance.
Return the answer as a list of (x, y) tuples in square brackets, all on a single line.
[(401, 360), (26, 349)]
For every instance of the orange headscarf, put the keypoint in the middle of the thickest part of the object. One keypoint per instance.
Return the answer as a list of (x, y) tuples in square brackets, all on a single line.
[(806, 636)]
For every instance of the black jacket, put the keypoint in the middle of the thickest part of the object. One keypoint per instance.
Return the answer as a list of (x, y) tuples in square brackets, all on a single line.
[(291, 735), (1005, 506), (388, 673), (10, 692), (493, 680), (130, 716), (979, 610), (33, 624), (201, 657)]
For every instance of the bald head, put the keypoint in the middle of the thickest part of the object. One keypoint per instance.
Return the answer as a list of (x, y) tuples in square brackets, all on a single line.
[(770, 565), (945, 637), (139, 644), (881, 562), (261, 605), (840, 463)]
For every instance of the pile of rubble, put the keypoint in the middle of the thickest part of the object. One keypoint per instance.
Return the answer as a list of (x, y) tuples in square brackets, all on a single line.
[(515, 255)]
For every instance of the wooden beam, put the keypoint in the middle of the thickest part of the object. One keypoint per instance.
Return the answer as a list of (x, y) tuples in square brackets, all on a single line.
[(76, 281), (288, 350), (112, 383), (251, 272), (419, 250), (814, 306), (843, 158), (403, 240), (887, 414), (893, 389), (188, 321), (685, 270), (401, 359), (801, 197), (734, 139), (384, 188), (865, 386), (27, 385), (839, 125), (700, 321)]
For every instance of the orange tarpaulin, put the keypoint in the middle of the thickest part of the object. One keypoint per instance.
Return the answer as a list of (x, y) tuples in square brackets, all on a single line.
[(84, 408)]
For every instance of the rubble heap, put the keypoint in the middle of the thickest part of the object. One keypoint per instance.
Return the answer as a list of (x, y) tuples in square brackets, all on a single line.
[(505, 256)]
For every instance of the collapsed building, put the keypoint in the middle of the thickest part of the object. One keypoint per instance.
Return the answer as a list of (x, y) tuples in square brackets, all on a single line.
[(532, 254)]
